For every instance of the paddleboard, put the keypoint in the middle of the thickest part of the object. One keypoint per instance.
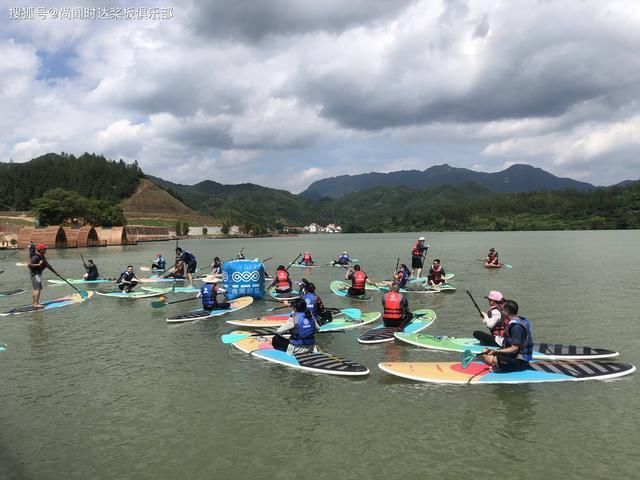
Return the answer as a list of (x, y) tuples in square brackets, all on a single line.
[(351, 263), (149, 269), (237, 304), (75, 281), (3, 348), (340, 321), (8, 293), (318, 362), (340, 288), (50, 304), (492, 265), (132, 295), (21, 264), (301, 265), (421, 319), (176, 290), (416, 287), (292, 295), (541, 351), (479, 373)]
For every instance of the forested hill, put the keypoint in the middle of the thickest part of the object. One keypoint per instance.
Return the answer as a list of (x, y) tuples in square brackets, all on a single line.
[(516, 178), (90, 175)]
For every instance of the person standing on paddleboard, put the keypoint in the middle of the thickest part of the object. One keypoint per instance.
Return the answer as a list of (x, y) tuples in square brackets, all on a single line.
[(92, 271), (209, 295), (302, 327), (283, 282), (127, 280), (495, 319), (160, 263), (188, 261), (396, 308), (358, 281), (37, 264), (418, 255), (517, 349), (437, 275), (306, 259), (492, 257)]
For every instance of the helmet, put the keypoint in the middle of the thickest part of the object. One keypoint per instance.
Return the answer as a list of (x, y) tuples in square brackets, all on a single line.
[(158, 254)]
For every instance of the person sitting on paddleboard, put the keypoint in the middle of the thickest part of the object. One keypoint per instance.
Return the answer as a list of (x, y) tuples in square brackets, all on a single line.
[(302, 286), (315, 305), (492, 257), (495, 319), (92, 271), (283, 282), (306, 259), (160, 263), (209, 295), (401, 277), (517, 349), (343, 259), (127, 280), (358, 281), (188, 261), (418, 254), (216, 266), (302, 327), (437, 275), (37, 264), (396, 307)]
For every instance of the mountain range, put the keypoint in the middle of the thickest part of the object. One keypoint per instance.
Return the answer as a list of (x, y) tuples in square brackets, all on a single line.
[(515, 179)]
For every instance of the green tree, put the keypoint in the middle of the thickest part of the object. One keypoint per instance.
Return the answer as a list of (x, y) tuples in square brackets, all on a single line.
[(178, 228), (205, 230), (185, 229)]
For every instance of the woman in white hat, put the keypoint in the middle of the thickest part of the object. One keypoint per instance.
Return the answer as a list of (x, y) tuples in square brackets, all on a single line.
[(209, 293)]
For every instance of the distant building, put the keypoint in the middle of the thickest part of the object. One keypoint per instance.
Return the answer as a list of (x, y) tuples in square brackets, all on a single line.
[(315, 228)]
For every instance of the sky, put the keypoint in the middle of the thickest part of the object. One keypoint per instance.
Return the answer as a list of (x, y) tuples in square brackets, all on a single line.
[(285, 92)]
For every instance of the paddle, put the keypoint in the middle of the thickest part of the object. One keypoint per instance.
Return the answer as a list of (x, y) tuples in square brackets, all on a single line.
[(474, 302), (239, 253), (82, 293), (368, 281), (484, 260), (267, 259), (236, 337), (162, 301), (353, 313), (286, 270), (468, 356)]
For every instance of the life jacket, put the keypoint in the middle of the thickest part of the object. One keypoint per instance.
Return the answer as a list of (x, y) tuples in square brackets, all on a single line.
[(436, 275), (402, 278), (358, 280), (282, 279), (417, 250), (311, 300), (498, 329), (303, 330), (92, 272), (307, 258), (188, 257), (36, 269), (393, 306), (493, 258), (208, 295), (161, 263), (526, 351), (343, 260), (126, 276)]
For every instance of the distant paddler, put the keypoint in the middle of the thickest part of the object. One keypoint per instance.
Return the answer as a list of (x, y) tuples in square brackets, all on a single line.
[(216, 266), (343, 259), (91, 270), (307, 259), (159, 263), (492, 258), (37, 264), (418, 254)]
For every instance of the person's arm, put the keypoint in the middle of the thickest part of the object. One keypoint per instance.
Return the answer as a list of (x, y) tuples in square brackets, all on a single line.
[(517, 338), (491, 321), (287, 326)]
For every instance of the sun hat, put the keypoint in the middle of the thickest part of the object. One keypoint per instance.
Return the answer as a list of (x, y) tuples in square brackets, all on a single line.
[(494, 295), (211, 279), (421, 239)]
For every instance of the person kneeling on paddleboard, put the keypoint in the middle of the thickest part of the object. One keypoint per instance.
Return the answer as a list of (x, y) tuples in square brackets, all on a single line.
[(37, 264), (209, 295), (492, 257), (306, 259), (437, 275), (358, 281), (127, 280), (283, 282), (495, 319), (315, 305), (302, 327), (160, 263), (92, 271), (517, 349), (396, 308)]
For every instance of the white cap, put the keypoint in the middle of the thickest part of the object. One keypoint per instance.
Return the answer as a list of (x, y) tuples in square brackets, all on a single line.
[(421, 239)]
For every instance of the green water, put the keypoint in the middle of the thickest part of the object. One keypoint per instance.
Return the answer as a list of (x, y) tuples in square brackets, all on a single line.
[(108, 390)]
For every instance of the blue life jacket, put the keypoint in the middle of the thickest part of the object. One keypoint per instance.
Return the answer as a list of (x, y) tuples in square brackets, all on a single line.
[(188, 257), (161, 263), (303, 330), (208, 295), (343, 260), (404, 279), (311, 300), (126, 276), (526, 351)]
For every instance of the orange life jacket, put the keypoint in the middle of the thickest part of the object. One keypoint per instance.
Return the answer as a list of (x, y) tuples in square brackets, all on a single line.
[(358, 280), (282, 279), (393, 306)]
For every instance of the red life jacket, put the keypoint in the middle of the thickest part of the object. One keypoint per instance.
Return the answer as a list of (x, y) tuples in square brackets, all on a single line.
[(282, 279), (436, 274), (358, 280), (307, 258), (498, 329), (393, 306), (493, 258), (417, 252)]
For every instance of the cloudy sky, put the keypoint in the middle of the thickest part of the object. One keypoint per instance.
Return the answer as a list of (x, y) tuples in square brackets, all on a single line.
[(285, 92)]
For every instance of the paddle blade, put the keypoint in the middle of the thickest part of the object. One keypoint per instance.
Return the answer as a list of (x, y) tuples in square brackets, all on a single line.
[(467, 358), (83, 293), (234, 337), (507, 265), (353, 313)]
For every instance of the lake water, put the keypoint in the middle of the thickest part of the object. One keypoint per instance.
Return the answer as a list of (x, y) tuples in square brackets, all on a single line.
[(108, 390)]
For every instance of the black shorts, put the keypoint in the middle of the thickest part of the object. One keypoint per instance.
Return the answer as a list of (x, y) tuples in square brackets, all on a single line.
[(416, 262), (352, 292), (191, 267), (509, 363)]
